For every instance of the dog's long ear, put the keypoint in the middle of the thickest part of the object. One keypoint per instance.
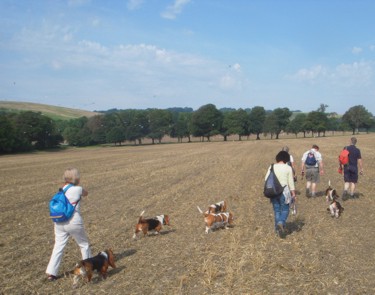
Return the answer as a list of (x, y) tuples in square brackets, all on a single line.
[(111, 258)]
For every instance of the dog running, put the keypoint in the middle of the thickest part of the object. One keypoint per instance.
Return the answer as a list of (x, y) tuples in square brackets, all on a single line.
[(154, 224)]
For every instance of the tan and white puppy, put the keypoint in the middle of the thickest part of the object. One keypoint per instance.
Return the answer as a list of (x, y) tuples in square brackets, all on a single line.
[(219, 220)]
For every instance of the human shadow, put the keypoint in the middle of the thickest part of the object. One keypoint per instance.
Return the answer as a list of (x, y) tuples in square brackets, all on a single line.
[(349, 197), (295, 226)]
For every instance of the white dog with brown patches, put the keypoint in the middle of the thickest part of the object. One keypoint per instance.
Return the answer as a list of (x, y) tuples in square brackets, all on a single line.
[(217, 220), (332, 197)]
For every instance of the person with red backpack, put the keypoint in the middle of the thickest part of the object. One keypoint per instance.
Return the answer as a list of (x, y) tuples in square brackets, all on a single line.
[(349, 160)]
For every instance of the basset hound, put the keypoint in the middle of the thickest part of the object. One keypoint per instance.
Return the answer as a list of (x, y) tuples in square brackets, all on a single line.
[(150, 224), (100, 263), (217, 220), (332, 197)]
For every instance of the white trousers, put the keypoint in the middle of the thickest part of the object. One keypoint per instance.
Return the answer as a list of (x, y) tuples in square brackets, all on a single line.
[(62, 234)]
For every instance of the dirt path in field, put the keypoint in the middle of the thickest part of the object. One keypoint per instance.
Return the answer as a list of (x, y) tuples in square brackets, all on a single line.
[(319, 255)]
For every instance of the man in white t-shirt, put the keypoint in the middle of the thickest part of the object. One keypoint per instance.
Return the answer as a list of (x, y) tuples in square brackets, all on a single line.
[(312, 168)]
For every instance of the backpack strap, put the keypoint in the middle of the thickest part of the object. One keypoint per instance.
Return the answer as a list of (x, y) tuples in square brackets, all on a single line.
[(67, 187), (65, 190)]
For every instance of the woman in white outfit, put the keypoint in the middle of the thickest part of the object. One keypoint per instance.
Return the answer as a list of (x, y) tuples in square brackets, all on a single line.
[(74, 227)]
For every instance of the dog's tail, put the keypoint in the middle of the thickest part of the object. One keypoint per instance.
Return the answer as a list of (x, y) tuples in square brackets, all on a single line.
[(329, 183), (199, 209), (141, 216)]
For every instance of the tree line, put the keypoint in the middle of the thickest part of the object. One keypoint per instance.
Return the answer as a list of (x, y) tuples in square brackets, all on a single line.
[(29, 130)]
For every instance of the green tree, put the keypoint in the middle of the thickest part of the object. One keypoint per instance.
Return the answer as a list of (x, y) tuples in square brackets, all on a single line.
[(257, 117), (297, 125), (37, 129), (356, 117), (116, 135), (8, 137), (206, 121), (97, 127), (182, 126), (317, 122), (282, 116), (236, 122), (76, 133), (160, 124), (139, 126), (270, 125)]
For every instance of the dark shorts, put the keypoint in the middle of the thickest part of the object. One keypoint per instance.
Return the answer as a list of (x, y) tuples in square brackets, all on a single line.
[(351, 174)]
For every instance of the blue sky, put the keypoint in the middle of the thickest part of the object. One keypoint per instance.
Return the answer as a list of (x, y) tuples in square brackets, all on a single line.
[(98, 55)]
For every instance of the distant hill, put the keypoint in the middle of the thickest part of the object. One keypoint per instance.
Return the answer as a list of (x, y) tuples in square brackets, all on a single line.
[(54, 112)]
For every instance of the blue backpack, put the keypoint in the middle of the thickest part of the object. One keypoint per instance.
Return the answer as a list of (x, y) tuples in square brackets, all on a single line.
[(310, 159), (60, 209)]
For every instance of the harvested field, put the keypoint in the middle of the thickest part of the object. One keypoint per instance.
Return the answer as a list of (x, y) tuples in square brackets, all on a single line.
[(320, 255)]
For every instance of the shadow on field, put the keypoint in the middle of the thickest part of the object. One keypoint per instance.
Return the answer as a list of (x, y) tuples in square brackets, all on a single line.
[(116, 270), (295, 226), (124, 254)]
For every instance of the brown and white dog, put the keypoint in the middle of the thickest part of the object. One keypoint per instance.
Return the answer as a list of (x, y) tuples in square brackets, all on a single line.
[(217, 220), (218, 207), (150, 224), (334, 205), (100, 263)]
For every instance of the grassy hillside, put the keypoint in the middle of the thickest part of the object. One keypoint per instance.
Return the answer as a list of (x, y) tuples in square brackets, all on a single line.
[(53, 112)]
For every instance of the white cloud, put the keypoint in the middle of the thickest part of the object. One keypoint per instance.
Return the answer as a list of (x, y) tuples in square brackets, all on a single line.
[(173, 10), (356, 74), (357, 50), (134, 4), (56, 65), (237, 67), (311, 75)]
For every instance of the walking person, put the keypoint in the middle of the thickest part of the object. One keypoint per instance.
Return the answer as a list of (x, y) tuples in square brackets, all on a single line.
[(351, 169), (291, 163), (281, 203), (312, 168), (73, 227)]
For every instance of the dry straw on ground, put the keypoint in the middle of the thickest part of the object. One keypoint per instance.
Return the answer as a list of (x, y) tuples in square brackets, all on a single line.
[(320, 255)]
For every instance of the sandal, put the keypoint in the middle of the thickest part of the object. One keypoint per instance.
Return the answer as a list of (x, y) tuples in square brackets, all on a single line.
[(51, 278)]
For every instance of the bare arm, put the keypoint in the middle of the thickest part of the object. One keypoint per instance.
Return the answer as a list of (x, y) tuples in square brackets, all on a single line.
[(321, 167), (360, 163), (84, 192)]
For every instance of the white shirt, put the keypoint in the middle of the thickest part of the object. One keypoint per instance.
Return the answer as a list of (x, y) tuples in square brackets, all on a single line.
[(317, 155)]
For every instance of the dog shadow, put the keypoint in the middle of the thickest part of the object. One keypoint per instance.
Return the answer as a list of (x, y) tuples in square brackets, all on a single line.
[(166, 232), (161, 233), (116, 270), (124, 254)]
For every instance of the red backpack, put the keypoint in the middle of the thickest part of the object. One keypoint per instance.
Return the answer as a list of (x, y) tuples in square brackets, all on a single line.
[(344, 157)]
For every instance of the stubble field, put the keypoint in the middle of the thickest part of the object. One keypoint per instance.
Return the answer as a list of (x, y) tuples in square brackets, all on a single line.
[(320, 255)]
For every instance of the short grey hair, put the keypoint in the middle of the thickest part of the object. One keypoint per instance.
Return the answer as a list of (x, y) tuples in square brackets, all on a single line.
[(353, 140), (285, 149), (71, 175)]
